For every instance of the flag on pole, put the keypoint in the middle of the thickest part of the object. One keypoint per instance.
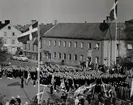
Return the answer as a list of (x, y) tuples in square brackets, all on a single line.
[(43, 30), (113, 12), (29, 34)]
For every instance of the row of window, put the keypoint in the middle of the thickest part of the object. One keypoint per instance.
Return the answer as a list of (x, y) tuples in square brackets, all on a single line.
[(67, 56), (129, 46), (5, 33), (64, 43), (13, 41)]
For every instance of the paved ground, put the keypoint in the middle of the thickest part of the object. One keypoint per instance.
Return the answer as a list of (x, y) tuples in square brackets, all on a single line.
[(27, 93)]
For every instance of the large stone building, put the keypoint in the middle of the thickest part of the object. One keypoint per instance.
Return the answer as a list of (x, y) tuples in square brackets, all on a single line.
[(73, 43), (10, 34)]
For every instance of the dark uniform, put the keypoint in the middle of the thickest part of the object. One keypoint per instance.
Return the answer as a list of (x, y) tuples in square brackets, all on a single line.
[(22, 82)]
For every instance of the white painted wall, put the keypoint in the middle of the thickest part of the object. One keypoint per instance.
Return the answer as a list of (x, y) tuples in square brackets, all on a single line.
[(9, 37), (107, 51)]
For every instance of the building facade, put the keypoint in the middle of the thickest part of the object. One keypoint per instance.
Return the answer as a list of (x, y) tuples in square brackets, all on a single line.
[(10, 34), (73, 43), (68, 41), (71, 51)]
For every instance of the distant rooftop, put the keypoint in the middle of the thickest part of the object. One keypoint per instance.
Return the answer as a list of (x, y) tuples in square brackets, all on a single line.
[(3, 24), (86, 31)]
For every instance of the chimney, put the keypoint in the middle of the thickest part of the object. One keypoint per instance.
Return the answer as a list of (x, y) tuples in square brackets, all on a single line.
[(33, 21), (55, 22), (85, 21), (7, 21)]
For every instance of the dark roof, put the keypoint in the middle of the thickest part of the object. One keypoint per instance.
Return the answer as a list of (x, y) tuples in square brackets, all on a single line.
[(44, 28), (76, 30), (5, 24), (22, 28), (112, 32), (88, 31)]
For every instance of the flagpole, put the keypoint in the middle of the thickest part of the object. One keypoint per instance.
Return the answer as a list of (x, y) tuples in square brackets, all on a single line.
[(39, 44), (115, 39), (116, 24)]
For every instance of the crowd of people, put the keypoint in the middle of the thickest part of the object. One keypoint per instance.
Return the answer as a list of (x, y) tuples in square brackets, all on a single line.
[(11, 101), (68, 80)]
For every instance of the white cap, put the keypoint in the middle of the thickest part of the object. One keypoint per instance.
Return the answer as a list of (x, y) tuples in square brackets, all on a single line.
[(26, 103), (12, 97), (18, 96)]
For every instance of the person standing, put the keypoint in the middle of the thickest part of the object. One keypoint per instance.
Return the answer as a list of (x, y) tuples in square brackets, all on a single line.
[(13, 101), (18, 99), (22, 82), (51, 89), (76, 101)]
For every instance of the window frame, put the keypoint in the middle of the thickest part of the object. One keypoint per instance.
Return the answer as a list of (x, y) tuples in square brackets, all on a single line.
[(81, 58), (82, 45), (75, 57), (75, 44), (69, 44), (13, 41), (64, 43), (69, 57), (59, 43)]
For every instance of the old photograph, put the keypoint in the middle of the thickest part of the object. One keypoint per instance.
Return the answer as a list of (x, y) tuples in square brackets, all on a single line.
[(66, 52)]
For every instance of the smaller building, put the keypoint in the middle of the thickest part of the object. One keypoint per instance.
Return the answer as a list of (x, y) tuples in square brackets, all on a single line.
[(10, 34)]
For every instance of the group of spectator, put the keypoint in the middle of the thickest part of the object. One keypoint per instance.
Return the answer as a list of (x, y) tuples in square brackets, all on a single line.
[(4, 100)]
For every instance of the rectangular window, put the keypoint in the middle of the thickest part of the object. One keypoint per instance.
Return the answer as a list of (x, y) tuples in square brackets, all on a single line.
[(54, 56), (118, 46), (97, 46), (64, 56), (5, 33), (75, 57), (33, 47), (75, 44), (69, 57), (89, 45), (13, 34), (54, 43), (82, 44), (49, 42), (97, 60), (70, 44), (59, 44), (81, 57), (13, 41), (29, 46), (59, 55), (129, 46), (64, 43)]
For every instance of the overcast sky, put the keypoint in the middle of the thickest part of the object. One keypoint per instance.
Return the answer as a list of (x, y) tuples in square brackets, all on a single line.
[(22, 11)]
